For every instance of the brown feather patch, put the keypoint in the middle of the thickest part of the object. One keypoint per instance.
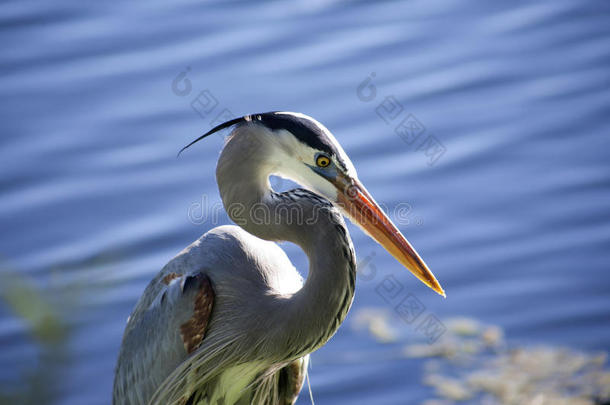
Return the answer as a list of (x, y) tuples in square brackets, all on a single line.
[(298, 378), (193, 330), (169, 277), (292, 377)]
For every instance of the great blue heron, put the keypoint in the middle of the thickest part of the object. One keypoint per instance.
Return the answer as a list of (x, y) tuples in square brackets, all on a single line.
[(229, 320)]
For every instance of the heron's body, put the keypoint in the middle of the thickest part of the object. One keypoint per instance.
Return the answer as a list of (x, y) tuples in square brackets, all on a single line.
[(229, 319), (259, 264)]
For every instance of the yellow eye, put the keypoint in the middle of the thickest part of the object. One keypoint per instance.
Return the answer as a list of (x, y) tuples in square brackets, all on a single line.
[(322, 161)]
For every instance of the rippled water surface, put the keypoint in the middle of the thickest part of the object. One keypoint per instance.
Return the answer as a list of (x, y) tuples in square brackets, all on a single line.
[(510, 207)]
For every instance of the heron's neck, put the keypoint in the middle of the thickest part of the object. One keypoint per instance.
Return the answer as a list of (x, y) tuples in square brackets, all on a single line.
[(313, 314)]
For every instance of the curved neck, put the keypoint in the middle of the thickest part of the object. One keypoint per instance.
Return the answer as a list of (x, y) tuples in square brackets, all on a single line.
[(306, 319)]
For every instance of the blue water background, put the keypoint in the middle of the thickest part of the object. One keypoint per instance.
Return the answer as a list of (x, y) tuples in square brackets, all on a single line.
[(513, 217)]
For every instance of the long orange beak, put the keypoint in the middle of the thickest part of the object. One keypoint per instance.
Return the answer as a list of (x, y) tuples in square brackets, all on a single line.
[(362, 209)]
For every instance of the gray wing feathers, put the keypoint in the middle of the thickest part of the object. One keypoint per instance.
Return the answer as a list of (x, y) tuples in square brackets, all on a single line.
[(162, 336)]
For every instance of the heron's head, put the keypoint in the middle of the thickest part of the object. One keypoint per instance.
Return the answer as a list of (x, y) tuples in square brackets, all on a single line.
[(297, 146)]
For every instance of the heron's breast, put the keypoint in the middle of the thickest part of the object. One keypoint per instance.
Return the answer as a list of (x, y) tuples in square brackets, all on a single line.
[(233, 384)]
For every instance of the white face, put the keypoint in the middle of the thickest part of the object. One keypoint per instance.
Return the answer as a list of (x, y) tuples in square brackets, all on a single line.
[(299, 162), (305, 151)]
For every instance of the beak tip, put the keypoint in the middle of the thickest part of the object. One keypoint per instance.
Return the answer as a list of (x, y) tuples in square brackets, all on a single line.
[(439, 290), (435, 286)]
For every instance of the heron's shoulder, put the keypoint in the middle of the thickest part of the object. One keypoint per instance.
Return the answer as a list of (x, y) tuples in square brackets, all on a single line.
[(230, 254), (229, 244), (230, 257), (231, 234)]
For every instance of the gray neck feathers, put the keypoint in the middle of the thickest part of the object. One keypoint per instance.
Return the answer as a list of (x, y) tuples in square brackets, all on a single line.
[(307, 319)]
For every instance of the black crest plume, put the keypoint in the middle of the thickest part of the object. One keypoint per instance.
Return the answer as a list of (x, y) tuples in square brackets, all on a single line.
[(218, 128)]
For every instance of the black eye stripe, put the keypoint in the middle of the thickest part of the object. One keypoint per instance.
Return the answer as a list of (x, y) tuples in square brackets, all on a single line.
[(305, 130)]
